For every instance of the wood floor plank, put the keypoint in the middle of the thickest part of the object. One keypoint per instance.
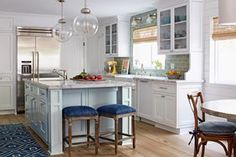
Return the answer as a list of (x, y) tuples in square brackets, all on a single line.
[(151, 142)]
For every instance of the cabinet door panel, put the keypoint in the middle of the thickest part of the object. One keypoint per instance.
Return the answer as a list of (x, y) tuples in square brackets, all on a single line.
[(145, 100), (6, 97), (6, 24), (159, 105), (43, 119), (6, 58), (170, 111), (180, 31)]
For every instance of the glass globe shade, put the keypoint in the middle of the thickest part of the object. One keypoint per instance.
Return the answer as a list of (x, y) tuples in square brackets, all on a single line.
[(85, 25), (63, 30)]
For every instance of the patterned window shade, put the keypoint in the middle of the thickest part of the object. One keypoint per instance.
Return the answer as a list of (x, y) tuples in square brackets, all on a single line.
[(221, 32), (145, 34)]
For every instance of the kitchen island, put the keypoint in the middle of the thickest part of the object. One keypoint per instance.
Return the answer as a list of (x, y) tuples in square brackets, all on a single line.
[(44, 101)]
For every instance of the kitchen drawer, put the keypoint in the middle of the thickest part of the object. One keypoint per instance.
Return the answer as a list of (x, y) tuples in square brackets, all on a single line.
[(164, 87), (43, 93)]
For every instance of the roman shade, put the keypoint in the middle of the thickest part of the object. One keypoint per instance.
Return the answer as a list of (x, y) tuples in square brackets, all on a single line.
[(223, 32), (145, 34)]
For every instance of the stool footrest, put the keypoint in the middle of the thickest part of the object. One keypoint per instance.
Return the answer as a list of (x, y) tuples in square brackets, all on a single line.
[(104, 136), (77, 136)]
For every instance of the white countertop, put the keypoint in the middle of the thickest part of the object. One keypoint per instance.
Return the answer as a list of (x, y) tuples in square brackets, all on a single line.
[(153, 78), (72, 84)]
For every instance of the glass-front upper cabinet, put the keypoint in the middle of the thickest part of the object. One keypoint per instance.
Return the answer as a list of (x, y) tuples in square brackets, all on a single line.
[(108, 39), (111, 39), (114, 38), (173, 33), (165, 30), (180, 33)]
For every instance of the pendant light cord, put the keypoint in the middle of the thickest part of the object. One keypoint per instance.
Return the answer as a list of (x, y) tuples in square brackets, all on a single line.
[(85, 3), (62, 12)]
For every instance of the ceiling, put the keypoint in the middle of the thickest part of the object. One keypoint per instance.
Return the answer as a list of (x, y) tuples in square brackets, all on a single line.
[(101, 8)]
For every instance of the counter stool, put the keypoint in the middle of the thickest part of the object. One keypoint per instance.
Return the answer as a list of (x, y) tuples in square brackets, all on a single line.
[(76, 113), (117, 111)]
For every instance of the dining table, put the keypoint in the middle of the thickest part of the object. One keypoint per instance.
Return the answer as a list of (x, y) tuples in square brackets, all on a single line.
[(225, 108)]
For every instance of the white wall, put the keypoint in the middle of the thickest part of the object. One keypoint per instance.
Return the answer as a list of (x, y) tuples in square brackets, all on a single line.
[(212, 91), (96, 52), (72, 56)]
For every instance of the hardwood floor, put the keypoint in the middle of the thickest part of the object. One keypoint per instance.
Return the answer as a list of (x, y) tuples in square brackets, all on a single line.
[(151, 142)]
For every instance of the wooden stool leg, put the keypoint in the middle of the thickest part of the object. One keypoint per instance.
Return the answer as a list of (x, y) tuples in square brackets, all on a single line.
[(70, 135), (88, 131), (96, 135), (116, 134), (133, 131)]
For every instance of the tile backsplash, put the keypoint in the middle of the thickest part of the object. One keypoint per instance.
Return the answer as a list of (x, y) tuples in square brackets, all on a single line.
[(181, 62)]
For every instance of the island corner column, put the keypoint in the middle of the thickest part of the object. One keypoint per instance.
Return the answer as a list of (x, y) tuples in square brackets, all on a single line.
[(55, 122)]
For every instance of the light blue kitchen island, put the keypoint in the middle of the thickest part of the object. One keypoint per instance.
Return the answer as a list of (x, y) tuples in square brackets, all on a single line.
[(44, 101)]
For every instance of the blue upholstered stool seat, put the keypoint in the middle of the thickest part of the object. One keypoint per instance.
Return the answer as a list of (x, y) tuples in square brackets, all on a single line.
[(79, 111), (217, 128), (115, 109)]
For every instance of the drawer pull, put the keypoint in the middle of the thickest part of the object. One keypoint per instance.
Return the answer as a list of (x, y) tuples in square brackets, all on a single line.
[(163, 96), (163, 88)]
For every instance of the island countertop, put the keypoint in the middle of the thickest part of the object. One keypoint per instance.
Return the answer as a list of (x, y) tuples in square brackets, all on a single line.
[(74, 84)]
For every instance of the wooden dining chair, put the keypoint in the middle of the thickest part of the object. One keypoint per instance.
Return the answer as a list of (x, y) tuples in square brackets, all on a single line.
[(215, 131)]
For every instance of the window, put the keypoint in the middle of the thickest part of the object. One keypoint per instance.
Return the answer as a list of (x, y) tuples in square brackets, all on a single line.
[(145, 49), (224, 53)]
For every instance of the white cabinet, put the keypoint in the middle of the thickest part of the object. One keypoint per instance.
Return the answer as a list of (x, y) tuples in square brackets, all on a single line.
[(173, 30), (7, 74), (145, 102), (6, 23), (164, 101), (165, 109), (171, 107), (117, 37), (6, 52), (37, 110), (6, 96)]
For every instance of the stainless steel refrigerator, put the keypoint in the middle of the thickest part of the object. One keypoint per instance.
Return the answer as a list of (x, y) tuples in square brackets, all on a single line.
[(38, 53)]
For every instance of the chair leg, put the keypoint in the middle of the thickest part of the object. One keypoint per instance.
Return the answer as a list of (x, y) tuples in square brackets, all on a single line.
[(88, 131), (234, 145), (230, 147), (116, 135), (63, 133), (133, 131), (70, 135), (195, 146), (96, 135), (203, 150), (234, 149)]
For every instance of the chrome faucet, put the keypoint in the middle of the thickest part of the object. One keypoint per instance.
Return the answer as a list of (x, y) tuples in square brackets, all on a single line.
[(142, 71), (61, 73)]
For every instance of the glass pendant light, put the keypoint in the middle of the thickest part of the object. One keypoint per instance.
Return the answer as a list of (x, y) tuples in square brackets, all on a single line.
[(63, 30), (85, 24)]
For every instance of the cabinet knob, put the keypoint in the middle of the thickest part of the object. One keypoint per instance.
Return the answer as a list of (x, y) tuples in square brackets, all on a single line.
[(163, 96)]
